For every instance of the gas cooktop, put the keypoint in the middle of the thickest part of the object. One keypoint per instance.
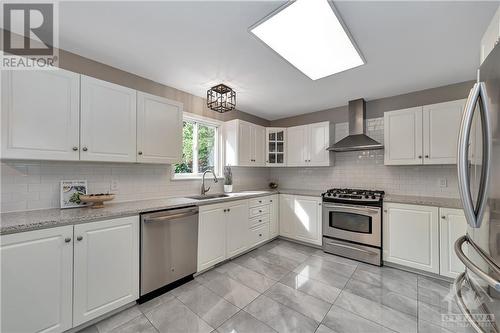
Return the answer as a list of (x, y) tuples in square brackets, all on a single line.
[(353, 195)]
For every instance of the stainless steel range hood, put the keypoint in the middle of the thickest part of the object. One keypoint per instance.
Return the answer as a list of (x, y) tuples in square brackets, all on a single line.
[(357, 139)]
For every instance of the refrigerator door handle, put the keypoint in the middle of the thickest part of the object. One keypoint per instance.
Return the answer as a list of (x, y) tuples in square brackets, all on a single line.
[(457, 286), (473, 267), (474, 216)]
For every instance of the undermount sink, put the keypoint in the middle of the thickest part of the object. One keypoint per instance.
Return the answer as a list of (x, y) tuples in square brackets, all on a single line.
[(208, 196)]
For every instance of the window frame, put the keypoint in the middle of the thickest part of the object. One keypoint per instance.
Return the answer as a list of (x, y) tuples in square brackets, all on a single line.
[(218, 158)]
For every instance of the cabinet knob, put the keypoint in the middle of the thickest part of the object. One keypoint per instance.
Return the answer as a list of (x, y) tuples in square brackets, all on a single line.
[(419, 156), (319, 203), (139, 152), (385, 210), (260, 211), (260, 235), (228, 209), (67, 239), (225, 210), (79, 238), (426, 156), (443, 217), (84, 148), (270, 201), (75, 148), (260, 201), (260, 220)]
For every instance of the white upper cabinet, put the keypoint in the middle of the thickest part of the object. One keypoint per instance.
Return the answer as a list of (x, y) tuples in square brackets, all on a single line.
[(40, 114), (244, 143), (441, 123), (318, 141), (307, 145), (275, 146), (491, 36), (423, 135), (452, 226), (108, 121), (106, 267), (37, 279), (296, 148), (159, 129), (411, 236), (403, 136)]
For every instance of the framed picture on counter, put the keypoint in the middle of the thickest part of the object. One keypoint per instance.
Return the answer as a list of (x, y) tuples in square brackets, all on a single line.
[(70, 193)]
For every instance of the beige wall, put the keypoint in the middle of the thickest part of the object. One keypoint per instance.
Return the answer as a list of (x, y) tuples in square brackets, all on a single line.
[(377, 107)]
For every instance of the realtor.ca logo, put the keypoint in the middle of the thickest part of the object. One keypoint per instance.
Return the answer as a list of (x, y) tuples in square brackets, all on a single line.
[(30, 38)]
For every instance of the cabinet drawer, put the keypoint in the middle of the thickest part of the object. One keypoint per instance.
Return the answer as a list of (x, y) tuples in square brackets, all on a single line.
[(259, 235), (255, 221), (257, 211), (260, 201)]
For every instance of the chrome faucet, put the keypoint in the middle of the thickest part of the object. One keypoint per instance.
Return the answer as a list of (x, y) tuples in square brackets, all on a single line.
[(203, 189)]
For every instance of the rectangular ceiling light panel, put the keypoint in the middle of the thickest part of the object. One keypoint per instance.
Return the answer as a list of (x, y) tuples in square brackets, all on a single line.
[(309, 35)]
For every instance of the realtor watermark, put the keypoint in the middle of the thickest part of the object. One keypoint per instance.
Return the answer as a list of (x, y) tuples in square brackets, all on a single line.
[(460, 320), (30, 36)]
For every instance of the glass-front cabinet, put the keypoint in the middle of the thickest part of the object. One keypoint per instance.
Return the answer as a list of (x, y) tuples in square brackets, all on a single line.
[(275, 146)]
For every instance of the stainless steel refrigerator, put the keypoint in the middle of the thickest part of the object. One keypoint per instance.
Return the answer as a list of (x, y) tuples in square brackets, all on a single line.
[(477, 290)]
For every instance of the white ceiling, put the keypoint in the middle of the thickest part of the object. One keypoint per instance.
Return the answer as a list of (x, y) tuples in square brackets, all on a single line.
[(191, 46)]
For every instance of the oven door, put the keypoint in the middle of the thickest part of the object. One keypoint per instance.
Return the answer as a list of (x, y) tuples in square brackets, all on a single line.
[(360, 224)]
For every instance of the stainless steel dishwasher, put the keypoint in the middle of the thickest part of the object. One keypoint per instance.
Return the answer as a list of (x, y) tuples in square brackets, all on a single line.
[(169, 247)]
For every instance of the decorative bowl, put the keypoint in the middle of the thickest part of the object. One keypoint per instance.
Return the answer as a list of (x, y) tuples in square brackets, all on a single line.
[(97, 200)]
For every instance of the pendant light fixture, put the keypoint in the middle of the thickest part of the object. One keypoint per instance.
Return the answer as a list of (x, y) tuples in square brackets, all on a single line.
[(221, 98)]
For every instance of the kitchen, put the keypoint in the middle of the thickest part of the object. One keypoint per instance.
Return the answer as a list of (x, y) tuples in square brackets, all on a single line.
[(230, 186)]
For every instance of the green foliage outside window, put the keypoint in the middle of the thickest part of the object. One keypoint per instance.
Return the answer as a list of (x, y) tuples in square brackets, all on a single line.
[(203, 149)]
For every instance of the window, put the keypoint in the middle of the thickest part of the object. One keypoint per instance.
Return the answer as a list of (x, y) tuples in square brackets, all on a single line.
[(199, 148)]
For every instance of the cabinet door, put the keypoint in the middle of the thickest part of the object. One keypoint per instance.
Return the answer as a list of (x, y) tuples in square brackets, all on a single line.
[(491, 36), (307, 211), (211, 237), (37, 277), (108, 121), (40, 114), (441, 123), (318, 141), (403, 136), (106, 267), (236, 216), (274, 216), (297, 146), (258, 145), (411, 236), (275, 146), (245, 139), (159, 129), (452, 226), (287, 215)]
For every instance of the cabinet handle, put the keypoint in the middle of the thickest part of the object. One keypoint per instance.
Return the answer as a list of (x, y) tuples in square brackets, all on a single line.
[(67, 239), (84, 148), (75, 148), (139, 152), (443, 217), (79, 238)]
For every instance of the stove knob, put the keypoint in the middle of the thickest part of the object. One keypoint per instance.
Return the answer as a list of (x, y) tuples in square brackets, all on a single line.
[(334, 195), (373, 197), (366, 196), (329, 194)]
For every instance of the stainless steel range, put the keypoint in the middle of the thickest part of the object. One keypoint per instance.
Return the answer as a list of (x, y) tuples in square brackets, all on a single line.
[(352, 224)]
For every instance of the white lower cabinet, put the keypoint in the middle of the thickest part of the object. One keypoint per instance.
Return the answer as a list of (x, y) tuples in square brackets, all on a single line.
[(106, 267), (300, 218), (411, 236), (37, 279), (53, 280), (222, 232), (452, 225), (274, 227)]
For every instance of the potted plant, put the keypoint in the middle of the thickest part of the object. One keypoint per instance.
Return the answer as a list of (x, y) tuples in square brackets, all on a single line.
[(228, 179)]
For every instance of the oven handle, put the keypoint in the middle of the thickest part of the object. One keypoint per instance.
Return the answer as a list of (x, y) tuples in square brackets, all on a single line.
[(343, 208), (351, 248)]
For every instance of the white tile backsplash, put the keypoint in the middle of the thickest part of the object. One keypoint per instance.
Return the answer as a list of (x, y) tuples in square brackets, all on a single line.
[(27, 185), (366, 170)]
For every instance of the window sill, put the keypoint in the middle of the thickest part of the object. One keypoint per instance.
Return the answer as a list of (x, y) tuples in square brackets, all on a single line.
[(192, 177)]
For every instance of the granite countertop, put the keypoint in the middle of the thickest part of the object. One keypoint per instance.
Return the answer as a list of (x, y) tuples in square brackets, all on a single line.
[(47, 218), (426, 201)]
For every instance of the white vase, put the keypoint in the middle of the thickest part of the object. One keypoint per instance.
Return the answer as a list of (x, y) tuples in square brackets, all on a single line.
[(228, 188)]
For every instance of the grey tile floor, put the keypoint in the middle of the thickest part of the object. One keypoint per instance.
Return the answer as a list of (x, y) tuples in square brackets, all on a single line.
[(287, 287)]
